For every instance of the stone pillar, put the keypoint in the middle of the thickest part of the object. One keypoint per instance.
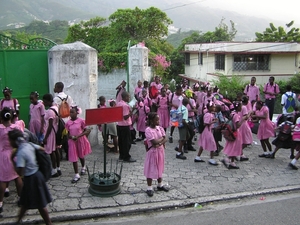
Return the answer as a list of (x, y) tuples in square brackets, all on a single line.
[(138, 66), (76, 66)]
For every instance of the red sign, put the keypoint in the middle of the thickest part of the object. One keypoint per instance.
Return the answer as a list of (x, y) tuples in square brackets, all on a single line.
[(103, 115)]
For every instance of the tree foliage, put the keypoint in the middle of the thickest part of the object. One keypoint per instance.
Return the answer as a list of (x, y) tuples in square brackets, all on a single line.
[(279, 34), (112, 35)]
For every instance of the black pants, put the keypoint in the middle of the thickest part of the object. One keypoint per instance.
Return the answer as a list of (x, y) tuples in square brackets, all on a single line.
[(190, 127), (270, 103), (124, 141)]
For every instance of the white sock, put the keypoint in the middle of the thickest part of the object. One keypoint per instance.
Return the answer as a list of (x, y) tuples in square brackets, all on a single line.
[(149, 188), (178, 153), (54, 171), (58, 168), (83, 167), (198, 158), (77, 175), (212, 160), (159, 185), (6, 190), (266, 153), (294, 161)]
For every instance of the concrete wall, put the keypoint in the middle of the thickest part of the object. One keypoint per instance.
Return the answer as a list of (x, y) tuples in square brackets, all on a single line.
[(76, 66)]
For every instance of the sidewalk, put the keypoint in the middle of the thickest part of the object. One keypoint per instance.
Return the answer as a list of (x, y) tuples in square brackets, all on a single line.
[(189, 183)]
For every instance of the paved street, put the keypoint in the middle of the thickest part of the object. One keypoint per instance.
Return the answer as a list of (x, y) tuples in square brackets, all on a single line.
[(189, 182)]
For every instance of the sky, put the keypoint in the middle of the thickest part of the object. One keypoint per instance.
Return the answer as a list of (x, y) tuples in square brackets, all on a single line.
[(286, 10)]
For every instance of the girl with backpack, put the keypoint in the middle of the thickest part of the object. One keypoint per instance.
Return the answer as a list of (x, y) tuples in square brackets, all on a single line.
[(35, 193), (51, 127), (163, 110), (233, 149), (265, 129), (79, 145), (144, 107), (36, 113), (206, 137)]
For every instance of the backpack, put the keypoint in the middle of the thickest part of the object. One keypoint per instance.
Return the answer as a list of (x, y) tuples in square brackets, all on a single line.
[(64, 108), (176, 118), (44, 162), (200, 123), (285, 130), (60, 133), (153, 92), (290, 103), (228, 129)]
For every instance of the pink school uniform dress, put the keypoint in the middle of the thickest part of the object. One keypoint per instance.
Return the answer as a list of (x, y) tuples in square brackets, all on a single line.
[(143, 110), (12, 103), (266, 126), (119, 94), (51, 142), (155, 158), (81, 147), (20, 124), (7, 171), (234, 148), (244, 129), (206, 138), (36, 112), (163, 111), (200, 101)]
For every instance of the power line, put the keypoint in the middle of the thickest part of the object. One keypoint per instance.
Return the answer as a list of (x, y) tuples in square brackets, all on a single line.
[(180, 6)]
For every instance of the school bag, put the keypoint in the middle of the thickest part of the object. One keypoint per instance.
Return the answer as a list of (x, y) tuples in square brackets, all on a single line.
[(64, 108), (200, 123), (296, 133), (153, 92), (290, 103), (61, 130), (176, 117), (228, 129), (43, 161), (285, 130)]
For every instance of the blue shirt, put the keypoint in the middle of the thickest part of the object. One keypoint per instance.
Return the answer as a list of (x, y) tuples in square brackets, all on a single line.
[(26, 158)]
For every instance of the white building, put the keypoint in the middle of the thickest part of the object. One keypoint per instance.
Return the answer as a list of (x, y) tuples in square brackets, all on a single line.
[(205, 61)]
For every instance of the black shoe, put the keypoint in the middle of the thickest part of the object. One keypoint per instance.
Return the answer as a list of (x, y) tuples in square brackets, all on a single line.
[(185, 151), (6, 194), (233, 167), (293, 166), (262, 156), (216, 153), (59, 172), (193, 143), (138, 139), (181, 156), (1, 209), (220, 147), (133, 143), (163, 188), (292, 156), (244, 159), (55, 175), (150, 193), (176, 149), (75, 179), (130, 160), (199, 160), (191, 148), (170, 139), (271, 156)]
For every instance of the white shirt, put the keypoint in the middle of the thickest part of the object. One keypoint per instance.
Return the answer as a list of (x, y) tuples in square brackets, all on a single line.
[(284, 98)]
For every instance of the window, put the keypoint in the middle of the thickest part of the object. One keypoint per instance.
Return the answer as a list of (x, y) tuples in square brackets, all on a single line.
[(200, 58), (219, 61), (187, 58), (251, 62)]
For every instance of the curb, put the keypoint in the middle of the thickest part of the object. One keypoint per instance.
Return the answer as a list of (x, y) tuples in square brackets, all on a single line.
[(156, 206)]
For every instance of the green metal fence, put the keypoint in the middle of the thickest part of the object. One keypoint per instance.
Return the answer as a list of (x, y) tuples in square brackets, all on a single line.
[(24, 68)]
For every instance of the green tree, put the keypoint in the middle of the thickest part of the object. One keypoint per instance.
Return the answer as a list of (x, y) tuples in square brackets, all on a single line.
[(280, 34)]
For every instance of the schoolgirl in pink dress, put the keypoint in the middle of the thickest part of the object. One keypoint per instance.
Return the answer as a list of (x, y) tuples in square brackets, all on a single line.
[(8, 101), (79, 146), (245, 129), (138, 89), (7, 171), (120, 89), (143, 107), (155, 153), (163, 109), (266, 128), (206, 138), (37, 113), (233, 149), (51, 125)]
